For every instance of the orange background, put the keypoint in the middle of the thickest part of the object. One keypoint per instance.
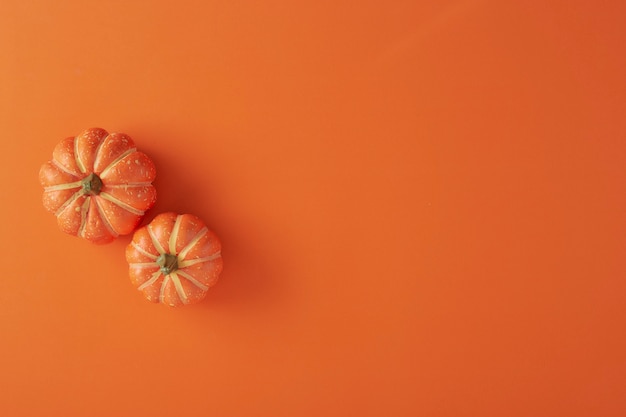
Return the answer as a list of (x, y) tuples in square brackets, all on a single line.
[(422, 207)]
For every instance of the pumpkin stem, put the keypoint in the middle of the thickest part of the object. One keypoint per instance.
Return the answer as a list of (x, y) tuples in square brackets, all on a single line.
[(168, 263), (92, 184)]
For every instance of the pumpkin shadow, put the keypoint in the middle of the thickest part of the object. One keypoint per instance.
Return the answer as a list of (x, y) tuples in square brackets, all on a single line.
[(247, 281)]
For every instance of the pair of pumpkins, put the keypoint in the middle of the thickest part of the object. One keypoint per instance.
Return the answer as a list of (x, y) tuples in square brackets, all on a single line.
[(99, 186)]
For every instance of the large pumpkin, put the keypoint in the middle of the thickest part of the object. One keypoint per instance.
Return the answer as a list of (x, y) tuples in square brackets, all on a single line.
[(98, 185), (174, 260)]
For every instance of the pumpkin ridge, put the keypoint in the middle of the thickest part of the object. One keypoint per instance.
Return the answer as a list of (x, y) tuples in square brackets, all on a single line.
[(79, 164), (69, 201), (142, 264), (104, 218), (192, 280), (143, 251), (174, 235), (153, 279), (166, 280), (60, 166), (130, 185), (193, 242), (190, 262), (179, 288), (121, 204), (83, 217), (96, 153), (117, 161), (155, 241), (61, 187)]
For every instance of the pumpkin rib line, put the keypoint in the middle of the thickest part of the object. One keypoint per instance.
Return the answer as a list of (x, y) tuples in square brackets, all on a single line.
[(154, 278), (130, 185), (179, 288), (192, 280), (155, 241), (116, 161), (104, 218), (121, 204), (83, 217), (79, 164), (60, 166), (190, 262), (193, 242), (96, 154), (174, 235), (143, 264), (69, 201), (163, 285), (61, 187), (143, 251)]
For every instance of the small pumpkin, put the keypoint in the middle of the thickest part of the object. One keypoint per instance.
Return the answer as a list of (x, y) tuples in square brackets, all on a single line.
[(98, 185), (174, 259)]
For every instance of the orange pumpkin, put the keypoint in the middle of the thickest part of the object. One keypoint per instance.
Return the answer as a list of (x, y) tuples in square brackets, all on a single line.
[(174, 260), (98, 185)]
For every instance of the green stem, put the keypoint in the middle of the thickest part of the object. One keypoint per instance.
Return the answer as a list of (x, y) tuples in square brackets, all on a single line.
[(168, 263), (92, 184)]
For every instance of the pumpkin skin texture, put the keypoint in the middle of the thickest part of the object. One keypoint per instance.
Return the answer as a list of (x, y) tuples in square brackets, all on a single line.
[(98, 185), (174, 259)]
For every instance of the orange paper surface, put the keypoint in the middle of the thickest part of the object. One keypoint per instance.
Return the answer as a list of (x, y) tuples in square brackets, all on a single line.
[(421, 204)]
